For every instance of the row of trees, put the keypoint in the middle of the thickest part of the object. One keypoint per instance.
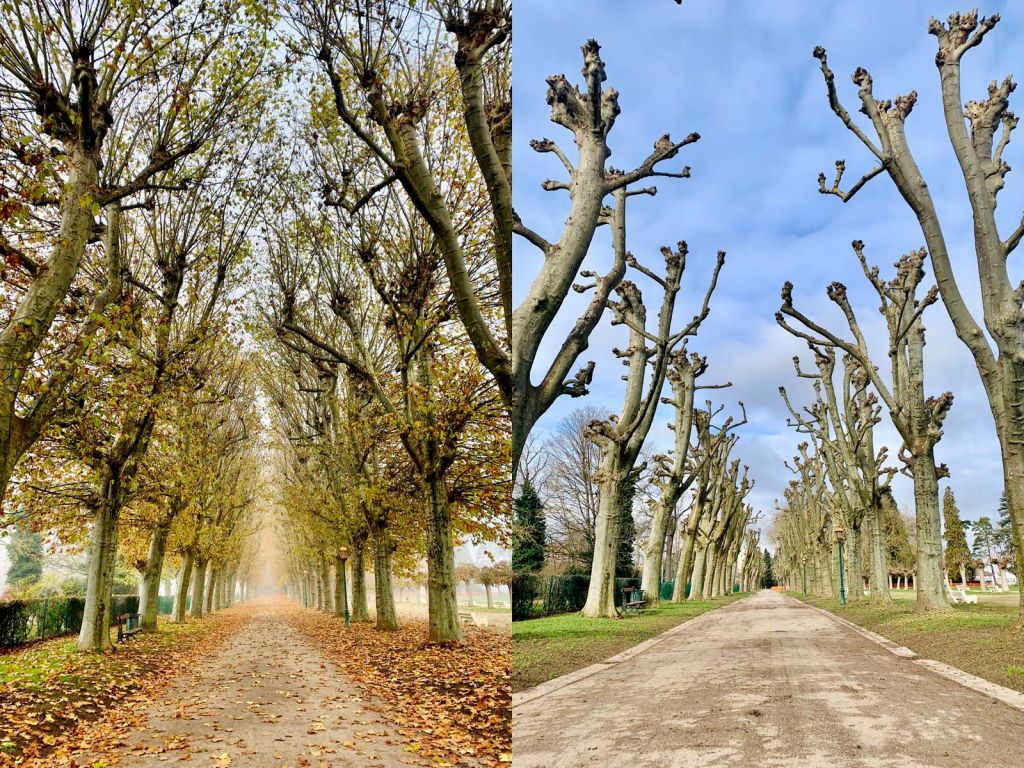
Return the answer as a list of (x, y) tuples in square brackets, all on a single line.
[(597, 459), (839, 474), (841, 480), (139, 155), (130, 180)]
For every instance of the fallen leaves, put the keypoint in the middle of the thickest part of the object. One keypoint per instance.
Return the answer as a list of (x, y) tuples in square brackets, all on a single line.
[(55, 699), (451, 704)]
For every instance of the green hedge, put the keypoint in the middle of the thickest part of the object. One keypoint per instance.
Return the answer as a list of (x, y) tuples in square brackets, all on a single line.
[(165, 604), (24, 620)]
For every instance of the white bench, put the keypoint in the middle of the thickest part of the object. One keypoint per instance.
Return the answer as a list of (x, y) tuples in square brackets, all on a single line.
[(966, 597), (955, 597)]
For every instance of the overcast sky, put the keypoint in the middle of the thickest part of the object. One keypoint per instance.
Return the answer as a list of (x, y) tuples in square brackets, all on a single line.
[(741, 74)]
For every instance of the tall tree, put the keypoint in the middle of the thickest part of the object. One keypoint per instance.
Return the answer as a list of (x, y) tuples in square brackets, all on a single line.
[(999, 355), (103, 101), (917, 418), (958, 556), (768, 574), (589, 115), (528, 530)]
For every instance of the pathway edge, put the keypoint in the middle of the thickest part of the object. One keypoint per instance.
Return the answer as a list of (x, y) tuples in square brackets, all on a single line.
[(557, 683), (1008, 696)]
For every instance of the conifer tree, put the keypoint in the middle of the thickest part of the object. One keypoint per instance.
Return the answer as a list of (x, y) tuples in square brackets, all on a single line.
[(957, 553), (528, 530)]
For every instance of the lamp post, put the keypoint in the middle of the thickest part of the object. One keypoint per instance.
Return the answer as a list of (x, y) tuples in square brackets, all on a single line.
[(840, 537), (803, 572), (343, 554)]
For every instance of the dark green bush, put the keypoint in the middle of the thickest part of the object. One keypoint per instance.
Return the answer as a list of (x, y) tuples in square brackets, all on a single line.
[(24, 620)]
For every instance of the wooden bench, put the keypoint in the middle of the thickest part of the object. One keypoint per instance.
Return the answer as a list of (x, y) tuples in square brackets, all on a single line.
[(466, 618), (127, 625), (633, 600)]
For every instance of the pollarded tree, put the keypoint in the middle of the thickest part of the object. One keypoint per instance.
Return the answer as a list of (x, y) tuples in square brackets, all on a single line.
[(589, 115), (621, 437), (917, 418), (528, 530), (999, 355), (841, 424), (958, 556)]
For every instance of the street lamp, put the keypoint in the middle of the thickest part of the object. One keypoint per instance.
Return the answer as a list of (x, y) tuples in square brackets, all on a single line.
[(841, 537), (803, 571), (343, 555)]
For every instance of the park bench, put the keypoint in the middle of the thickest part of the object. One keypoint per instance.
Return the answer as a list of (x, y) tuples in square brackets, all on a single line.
[(127, 625), (966, 597), (953, 596), (465, 617), (633, 599)]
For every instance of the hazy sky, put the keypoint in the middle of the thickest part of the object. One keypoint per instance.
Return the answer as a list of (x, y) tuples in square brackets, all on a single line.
[(742, 75)]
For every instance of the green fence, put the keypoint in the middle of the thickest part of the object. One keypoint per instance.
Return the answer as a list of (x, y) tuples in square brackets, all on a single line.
[(534, 596), (24, 620)]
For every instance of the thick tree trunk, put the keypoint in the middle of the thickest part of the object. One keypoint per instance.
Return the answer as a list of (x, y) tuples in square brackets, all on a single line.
[(685, 569), (442, 606), (178, 614), (149, 602), (879, 560), (601, 591), (198, 589), (384, 598), (360, 610), (1013, 479), (697, 576), (339, 587), (211, 586), (654, 552), (930, 580), (487, 590), (94, 634)]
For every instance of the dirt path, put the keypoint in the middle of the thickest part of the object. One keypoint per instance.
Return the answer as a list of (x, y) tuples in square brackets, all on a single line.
[(766, 682), (266, 698)]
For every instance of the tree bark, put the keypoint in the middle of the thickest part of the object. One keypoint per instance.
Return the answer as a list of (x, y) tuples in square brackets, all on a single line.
[(94, 634), (384, 598), (442, 606), (198, 590), (178, 615), (359, 611), (149, 601)]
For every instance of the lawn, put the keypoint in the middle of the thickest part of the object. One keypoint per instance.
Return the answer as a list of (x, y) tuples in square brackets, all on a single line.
[(985, 639), (546, 648)]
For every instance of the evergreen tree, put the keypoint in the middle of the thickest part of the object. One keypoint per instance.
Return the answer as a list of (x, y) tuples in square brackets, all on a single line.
[(25, 550), (625, 566), (958, 556), (768, 577), (528, 530)]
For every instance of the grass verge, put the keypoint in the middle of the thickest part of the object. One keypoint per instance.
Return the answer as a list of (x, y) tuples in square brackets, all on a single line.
[(543, 649), (983, 639)]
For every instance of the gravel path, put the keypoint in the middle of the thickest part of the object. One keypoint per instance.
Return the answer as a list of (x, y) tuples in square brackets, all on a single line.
[(266, 698), (765, 682)]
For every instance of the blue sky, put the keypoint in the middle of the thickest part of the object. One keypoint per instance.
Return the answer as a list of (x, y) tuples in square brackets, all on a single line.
[(742, 75)]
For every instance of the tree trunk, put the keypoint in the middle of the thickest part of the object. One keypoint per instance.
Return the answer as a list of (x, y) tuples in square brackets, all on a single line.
[(490, 600), (359, 610), (339, 587), (178, 614), (442, 607), (211, 585), (697, 576), (469, 593), (97, 617), (384, 598), (879, 584), (930, 577), (198, 588), (149, 602), (601, 592), (685, 569)]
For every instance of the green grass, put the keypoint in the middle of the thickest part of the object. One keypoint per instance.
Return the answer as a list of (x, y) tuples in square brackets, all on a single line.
[(985, 639), (543, 649)]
